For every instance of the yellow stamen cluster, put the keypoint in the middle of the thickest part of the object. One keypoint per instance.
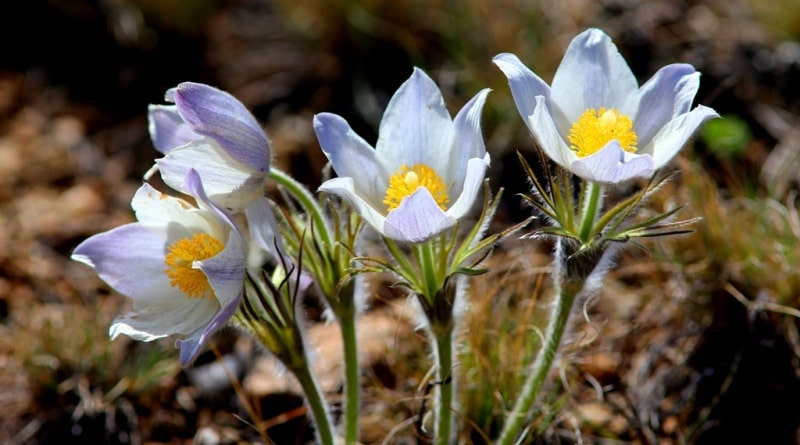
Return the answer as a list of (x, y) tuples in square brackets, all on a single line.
[(180, 259), (408, 179), (595, 128)]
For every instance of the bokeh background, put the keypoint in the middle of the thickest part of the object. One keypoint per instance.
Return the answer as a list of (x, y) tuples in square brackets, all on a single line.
[(693, 339)]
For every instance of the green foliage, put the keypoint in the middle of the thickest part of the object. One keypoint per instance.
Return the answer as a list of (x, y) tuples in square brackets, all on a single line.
[(727, 137)]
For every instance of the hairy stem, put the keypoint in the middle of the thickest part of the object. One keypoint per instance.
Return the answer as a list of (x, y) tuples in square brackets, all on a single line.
[(315, 400), (443, 408), (347, 325), (541, 367)]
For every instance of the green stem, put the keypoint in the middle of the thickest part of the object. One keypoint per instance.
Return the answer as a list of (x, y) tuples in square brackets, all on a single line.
[(443, 410), (592, 204), (347, 325), (315, 401), (306, 199), (429, 270), (541, 367)]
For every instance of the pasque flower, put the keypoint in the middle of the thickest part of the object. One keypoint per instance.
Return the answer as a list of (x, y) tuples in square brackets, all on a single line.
[(210, 131), (183, 267), (596, 121), (425, 170)]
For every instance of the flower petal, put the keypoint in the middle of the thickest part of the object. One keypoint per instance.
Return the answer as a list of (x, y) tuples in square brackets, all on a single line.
[(667, 94), (345, 189), (544, 129), (351, 156), (613, 165), (225, 270), (217, 114), (130, 258), (157, 209), (190, 346), (673, 136), (475, 172), (181, 316), (417, 218), (593, 74), (167, 128), (264, 228), (415, 127), (468, 143), (525, 84), (227, 182)]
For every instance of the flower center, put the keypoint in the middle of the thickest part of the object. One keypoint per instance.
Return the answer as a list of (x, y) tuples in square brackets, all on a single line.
[(595, 128), (180, 260), (407, 180)]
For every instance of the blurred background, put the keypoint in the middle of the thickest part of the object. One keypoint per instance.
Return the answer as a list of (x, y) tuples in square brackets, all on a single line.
[(693, 340)]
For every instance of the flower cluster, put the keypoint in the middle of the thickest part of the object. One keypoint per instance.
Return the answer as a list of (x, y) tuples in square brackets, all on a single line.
[(183, 263), (189, 264)]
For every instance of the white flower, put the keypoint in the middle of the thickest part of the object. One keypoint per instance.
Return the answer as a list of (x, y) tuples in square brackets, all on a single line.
[(210, 131), (595, 120), (425, 171), (183, 266)]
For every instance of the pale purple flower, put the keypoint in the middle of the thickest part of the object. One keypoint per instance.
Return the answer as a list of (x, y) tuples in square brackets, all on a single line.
[(183, 267), (210, 131), (596, 121), (425, 170)]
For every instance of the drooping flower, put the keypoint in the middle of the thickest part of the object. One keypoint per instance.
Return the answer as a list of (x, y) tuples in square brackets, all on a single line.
[(596, 121), (425, 171), (183, 267), (210, 131)]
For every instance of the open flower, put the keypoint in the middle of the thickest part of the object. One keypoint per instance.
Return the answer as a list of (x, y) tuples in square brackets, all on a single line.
[(183, 266), (425, 171), (210, 131), (595, 120)]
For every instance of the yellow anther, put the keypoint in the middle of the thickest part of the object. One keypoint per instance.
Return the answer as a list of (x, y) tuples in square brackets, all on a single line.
[(180, 259), (407, 180), (596, 128)]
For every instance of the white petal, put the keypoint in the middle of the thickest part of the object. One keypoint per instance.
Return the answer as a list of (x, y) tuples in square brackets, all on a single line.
[(593, 74), (547, 135), (227, 182), (177, 316), (220, 116), (475, 172), (468, 144), (130, 258), (345, 189), (525, 84), (225, 270), (673, 136), (416, 127), (167, 128), (157, 209), (190, 346), (613, 165), (264, 228), (669, 93), (417, 218), (351, 156)]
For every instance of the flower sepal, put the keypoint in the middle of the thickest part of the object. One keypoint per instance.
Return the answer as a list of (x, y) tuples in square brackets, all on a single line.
[(439, 259), (584, 224)]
